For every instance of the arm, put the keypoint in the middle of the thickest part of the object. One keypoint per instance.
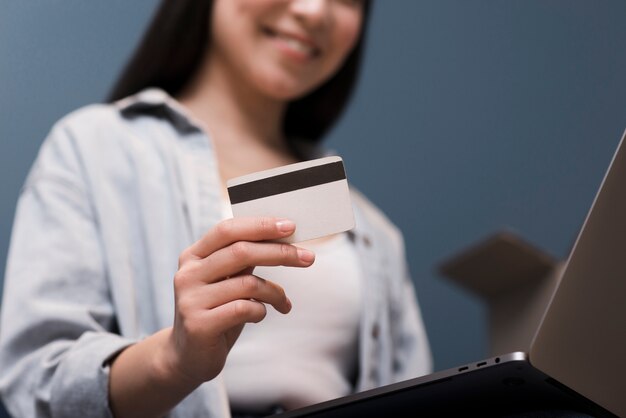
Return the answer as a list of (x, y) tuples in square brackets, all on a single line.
[(57, 316), (59, 353)]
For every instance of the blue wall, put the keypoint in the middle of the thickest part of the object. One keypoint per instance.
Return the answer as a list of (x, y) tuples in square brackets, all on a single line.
[(471, 116)]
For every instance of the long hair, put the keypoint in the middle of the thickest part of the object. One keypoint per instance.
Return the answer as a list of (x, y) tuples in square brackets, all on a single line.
[(175, 42)]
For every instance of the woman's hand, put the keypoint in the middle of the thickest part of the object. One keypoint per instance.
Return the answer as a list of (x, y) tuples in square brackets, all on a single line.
[(216, 292), (215, 295)]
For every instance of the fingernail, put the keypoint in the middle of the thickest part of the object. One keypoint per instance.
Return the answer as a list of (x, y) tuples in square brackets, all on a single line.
[(289, 306), (305, 256), (285, 225)]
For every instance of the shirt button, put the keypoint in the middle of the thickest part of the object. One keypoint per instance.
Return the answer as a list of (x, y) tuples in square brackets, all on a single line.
[(277, 409), (367, 241), (375, 331)]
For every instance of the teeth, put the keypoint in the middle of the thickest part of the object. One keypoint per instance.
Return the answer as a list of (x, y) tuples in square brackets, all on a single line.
[(297, 45)]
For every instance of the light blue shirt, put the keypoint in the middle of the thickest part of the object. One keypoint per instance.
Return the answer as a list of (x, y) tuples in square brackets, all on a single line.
[(115, 194)]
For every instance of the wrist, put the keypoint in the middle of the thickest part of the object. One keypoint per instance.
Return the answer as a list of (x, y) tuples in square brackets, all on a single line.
[(166, 365)]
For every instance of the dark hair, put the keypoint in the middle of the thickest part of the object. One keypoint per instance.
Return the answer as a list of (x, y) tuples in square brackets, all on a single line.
[(175, 42)]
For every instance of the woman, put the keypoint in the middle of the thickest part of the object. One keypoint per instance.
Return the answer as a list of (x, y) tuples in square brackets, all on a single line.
[(127, 197)]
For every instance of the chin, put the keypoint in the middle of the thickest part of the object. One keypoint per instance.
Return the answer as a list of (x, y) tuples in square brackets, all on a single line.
[(287, 88)]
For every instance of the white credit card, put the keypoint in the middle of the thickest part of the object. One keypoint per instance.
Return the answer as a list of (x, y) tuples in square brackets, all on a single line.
[(313, 194)]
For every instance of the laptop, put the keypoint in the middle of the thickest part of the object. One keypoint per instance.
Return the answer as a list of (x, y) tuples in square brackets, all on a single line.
[(577, 358)]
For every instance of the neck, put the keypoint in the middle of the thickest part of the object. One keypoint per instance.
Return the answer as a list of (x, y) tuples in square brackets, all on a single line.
[(245, 127), (233, 111)]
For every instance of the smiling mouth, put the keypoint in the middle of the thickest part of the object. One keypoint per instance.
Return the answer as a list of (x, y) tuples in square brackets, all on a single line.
[(298, 45)]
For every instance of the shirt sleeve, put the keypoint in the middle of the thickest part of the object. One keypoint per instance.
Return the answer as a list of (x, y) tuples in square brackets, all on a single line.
[(57, 323)]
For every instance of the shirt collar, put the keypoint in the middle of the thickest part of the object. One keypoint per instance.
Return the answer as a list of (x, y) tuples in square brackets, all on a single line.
[(158, 103)]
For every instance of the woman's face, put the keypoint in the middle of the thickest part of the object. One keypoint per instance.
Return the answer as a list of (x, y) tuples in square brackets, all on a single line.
[(283, 48)]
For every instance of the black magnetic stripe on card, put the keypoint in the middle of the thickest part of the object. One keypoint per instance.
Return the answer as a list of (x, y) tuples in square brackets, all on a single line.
[(288, 182)]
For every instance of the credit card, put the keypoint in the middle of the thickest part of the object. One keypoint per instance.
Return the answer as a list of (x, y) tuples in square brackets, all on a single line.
[(313, 194)]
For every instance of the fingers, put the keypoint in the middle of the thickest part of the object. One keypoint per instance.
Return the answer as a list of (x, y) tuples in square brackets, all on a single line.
[(242, 255), (217, 310), (243, 287), (203, 285), (233, 314), (239, 229)]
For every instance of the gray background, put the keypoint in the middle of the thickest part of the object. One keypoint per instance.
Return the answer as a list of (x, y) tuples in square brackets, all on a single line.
[(471, 116)]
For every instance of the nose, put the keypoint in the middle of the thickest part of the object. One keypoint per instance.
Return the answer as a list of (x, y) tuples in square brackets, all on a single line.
[(314, 12)]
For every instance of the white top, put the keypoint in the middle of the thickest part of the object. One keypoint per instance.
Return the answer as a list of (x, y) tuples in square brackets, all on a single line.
[(309, 355)]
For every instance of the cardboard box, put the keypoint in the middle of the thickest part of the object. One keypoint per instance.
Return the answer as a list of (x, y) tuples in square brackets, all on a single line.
[(514, 278)]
